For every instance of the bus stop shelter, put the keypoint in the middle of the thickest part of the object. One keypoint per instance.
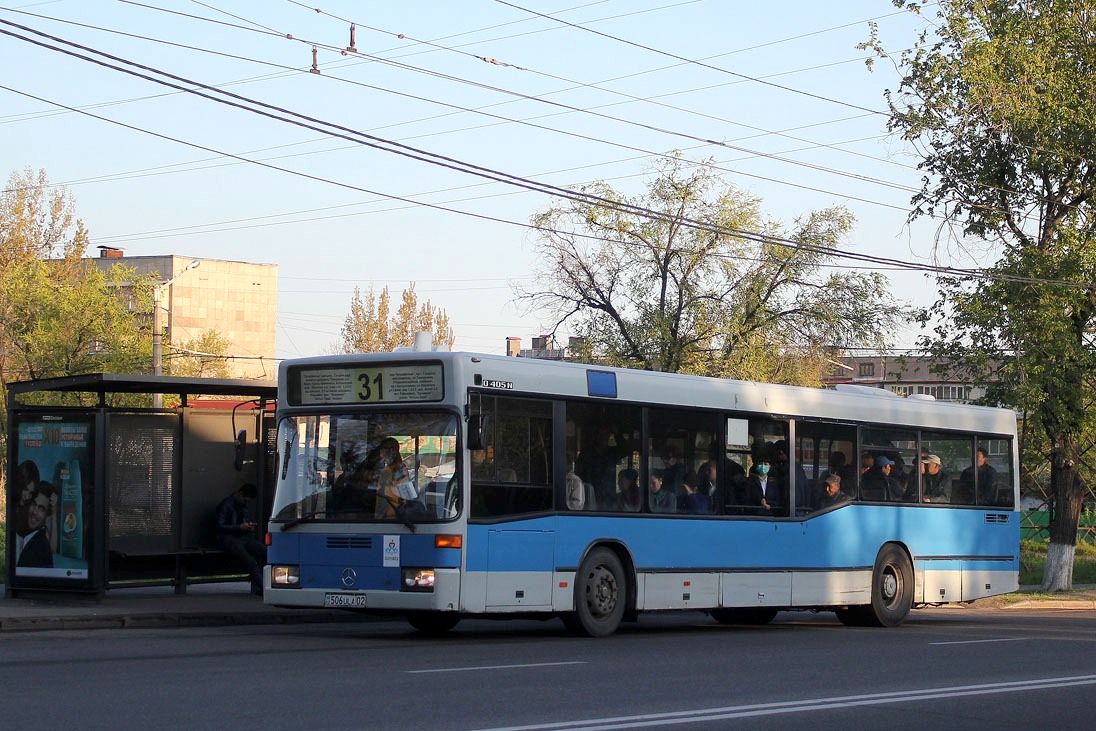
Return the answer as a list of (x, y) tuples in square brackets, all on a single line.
[(132, 490)]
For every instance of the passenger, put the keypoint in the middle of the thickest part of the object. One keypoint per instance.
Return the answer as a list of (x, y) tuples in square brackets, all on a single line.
[(832, 494), (673, 475), (662, 499), (782, 469), (759, 488), (935, 485), (696, 500), (575, 491), (707, 480), (236, 534), (387, 476), (873, 483), (483, 467), (892, 488), (986, 481), (628, 491), (597, 460)]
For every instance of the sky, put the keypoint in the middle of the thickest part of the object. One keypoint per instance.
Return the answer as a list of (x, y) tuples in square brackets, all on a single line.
[(562, 92)]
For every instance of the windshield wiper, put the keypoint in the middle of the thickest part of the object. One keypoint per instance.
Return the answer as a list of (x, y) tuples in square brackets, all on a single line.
[(400, 507), (307, 517)]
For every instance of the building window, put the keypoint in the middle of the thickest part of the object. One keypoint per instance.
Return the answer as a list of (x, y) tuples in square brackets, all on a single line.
[(867, 369)]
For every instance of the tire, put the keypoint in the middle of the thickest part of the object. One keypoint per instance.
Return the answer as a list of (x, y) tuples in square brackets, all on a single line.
[(891, 592), (744, 615), (434, 624), (601, 593)]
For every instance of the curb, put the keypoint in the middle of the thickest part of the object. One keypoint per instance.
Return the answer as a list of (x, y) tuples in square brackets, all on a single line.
[(169, 620), (1053, 604)]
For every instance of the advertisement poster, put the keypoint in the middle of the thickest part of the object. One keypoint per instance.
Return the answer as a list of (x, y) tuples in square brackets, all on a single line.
[(51, 485)]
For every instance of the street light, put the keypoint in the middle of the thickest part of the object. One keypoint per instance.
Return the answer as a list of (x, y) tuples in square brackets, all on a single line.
[(157, 328)]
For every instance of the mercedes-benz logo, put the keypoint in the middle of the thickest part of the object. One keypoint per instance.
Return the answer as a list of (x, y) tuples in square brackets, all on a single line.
[(349, 577)]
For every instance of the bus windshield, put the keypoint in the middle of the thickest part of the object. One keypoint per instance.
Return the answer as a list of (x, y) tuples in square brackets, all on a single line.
[(367, 467)]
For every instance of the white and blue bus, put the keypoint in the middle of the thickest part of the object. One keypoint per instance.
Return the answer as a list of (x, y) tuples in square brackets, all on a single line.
[(443, 485)]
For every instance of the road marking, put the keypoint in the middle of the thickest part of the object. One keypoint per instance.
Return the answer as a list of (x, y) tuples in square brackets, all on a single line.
[(976, 642), (706, 715), (497, 667)]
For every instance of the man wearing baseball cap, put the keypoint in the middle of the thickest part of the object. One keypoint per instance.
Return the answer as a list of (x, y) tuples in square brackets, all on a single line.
[(832, 494), (935, 486)]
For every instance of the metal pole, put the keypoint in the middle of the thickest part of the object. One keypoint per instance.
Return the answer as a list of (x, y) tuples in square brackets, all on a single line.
[(157, 344)]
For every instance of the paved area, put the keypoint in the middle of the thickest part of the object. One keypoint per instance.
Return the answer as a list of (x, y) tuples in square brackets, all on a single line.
[(207, 605), (202, 605)]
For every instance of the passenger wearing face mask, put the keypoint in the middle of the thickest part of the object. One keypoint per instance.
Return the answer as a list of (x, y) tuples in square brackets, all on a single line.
[(760, 489)]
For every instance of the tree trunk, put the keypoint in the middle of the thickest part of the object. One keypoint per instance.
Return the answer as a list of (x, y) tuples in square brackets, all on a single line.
[(1068, 488)]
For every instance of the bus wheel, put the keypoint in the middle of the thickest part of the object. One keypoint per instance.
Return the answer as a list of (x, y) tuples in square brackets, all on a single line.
[(891, 592), (744, 615), (600, 595), (433, 623)]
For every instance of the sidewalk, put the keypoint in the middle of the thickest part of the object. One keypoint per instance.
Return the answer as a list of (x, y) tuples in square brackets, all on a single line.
[(216, 605), (204, 605)]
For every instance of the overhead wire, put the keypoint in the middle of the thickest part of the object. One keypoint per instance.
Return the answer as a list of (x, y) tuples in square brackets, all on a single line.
[(470, 169), (570, 109)]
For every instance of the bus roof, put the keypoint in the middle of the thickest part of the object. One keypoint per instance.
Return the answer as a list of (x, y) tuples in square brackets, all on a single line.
[(516, 376)]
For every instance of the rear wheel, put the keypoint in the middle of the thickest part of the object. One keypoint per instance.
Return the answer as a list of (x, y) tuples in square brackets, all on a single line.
[(744, 615), (601, 592), (891, 592), (433, 623)]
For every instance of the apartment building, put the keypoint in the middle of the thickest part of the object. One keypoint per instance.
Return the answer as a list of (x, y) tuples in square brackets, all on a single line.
[(238, 300)]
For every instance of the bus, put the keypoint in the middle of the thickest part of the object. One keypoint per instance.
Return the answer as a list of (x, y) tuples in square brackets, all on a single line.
[(438, 485)]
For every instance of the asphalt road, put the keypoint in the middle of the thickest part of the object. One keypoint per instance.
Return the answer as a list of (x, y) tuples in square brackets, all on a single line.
[(953, 668)]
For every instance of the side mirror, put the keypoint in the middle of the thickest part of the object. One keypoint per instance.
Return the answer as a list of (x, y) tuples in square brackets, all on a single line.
[(241, 443), (477, 431)]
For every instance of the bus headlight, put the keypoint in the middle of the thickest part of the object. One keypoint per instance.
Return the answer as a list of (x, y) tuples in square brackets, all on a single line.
[(417, 580), (285, 577)]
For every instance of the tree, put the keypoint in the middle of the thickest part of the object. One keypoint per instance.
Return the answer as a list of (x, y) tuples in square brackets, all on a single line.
[(704, 284), (998, 102), (371, 327), (203, 357), (58, 316)]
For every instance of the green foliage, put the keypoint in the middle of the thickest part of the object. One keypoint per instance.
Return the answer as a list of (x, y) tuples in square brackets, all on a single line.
[(998, 101), (662, 293), (58, 315), (371, 326), (1033, 558), (203, 357)]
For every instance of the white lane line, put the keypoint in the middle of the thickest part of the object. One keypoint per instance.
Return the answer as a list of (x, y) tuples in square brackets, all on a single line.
[(815, 704), (976, 642), (497, 667)]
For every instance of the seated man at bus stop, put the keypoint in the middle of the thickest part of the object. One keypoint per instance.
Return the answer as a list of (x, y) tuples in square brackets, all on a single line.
[(236, 534)]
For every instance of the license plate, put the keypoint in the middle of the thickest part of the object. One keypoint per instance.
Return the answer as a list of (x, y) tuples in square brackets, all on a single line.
[(344, 601)]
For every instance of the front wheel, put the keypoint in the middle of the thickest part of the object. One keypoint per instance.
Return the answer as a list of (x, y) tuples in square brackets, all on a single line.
[(433, 623), (601, 592)]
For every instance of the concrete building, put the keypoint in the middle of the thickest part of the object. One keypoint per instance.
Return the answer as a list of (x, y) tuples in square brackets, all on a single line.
[(238, 300)]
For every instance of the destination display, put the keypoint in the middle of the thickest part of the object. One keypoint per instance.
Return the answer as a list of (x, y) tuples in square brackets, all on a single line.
[(378, 384)]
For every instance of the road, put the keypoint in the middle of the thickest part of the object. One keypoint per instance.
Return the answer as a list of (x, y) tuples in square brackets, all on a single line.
[(948, 668)]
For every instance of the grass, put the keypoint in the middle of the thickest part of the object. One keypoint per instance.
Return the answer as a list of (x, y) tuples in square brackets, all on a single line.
[(1033, 559)]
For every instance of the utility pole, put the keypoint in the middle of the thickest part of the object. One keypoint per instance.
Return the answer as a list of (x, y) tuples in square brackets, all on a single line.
[(157, 329)]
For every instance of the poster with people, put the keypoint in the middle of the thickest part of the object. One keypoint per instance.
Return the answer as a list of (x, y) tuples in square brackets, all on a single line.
[(51, 486)]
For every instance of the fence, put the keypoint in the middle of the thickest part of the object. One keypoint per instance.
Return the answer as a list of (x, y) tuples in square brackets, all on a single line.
[(1035, 526)]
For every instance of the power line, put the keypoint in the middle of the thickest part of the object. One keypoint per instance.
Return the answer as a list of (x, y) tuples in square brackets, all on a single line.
[(468, 168), (566, 109)]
